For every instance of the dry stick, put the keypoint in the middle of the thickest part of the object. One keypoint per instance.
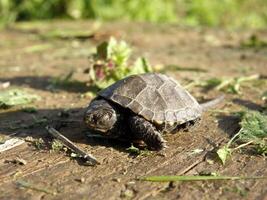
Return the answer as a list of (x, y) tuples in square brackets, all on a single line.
[(88, 157)]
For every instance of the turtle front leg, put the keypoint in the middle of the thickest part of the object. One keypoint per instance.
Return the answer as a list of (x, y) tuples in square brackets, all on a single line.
[(146, 131)]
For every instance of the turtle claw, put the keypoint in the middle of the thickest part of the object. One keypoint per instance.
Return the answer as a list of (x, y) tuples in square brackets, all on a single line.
[(161, 145), (165, 146)]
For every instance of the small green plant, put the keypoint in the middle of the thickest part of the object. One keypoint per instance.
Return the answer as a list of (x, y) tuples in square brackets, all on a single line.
[(230, 85), (110, 63), (254, 42), (57, 145), (136, 151), (13, 97), (253, 132), (39, 143)]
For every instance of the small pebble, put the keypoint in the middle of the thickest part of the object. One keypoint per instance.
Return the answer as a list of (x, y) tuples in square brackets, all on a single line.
[(81, 180), (117, 180)]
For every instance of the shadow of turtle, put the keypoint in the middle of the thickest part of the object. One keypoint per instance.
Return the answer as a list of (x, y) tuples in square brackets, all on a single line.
[(69, 122), (248, 104), (48, 83), (229, 124)]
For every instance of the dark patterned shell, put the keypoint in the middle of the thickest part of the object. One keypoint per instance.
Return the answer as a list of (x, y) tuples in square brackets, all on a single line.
[(156, 97)]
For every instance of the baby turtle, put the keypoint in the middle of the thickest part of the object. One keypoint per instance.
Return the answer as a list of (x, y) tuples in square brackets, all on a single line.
[(142, 107)]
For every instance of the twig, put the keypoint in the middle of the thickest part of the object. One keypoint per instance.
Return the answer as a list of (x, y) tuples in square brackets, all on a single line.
[(243, 145), (87, 157)]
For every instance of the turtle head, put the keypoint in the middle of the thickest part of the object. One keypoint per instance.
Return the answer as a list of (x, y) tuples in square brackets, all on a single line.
[(100, 117)]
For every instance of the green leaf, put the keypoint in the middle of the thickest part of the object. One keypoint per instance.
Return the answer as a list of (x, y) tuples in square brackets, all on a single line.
[(224, 153), (118, 51), (261, 148), (140, 66), (254, 130), (196, 178), (13, 97), (133, 149)]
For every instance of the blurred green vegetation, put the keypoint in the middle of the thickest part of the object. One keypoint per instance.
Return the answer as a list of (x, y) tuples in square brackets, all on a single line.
[(225, 13)]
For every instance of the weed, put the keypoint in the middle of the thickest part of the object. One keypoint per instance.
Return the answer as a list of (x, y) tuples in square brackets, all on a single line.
[(39, 143), (57, 145), (136, 151), (253, 132), (132, 149), (110, 63), (254, 42), (230, 85), (13, 97)]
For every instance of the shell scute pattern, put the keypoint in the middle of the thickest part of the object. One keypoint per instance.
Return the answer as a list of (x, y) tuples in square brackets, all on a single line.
[(156, 97)]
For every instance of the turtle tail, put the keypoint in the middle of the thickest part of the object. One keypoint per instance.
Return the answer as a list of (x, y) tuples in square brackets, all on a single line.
[(212, 103)]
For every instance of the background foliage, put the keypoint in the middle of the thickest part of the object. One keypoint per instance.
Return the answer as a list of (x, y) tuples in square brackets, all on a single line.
[(227, 13)]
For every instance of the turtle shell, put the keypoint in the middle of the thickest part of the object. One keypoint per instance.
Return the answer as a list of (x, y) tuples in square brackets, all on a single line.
[(156, 97)]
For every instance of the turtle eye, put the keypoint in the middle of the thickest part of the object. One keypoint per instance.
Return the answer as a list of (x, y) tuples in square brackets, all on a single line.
[(105, 118)]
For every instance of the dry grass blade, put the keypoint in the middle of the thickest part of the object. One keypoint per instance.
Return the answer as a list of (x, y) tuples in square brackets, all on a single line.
[(227, 84), (197, 178)]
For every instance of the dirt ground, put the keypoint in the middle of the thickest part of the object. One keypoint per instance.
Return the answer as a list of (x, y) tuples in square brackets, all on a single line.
[(32, 61)]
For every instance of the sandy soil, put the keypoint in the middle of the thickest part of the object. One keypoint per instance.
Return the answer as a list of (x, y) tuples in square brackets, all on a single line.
[(31, 61)]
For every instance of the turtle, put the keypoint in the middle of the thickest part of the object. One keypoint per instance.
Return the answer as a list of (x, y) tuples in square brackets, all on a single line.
[(144, 107)]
